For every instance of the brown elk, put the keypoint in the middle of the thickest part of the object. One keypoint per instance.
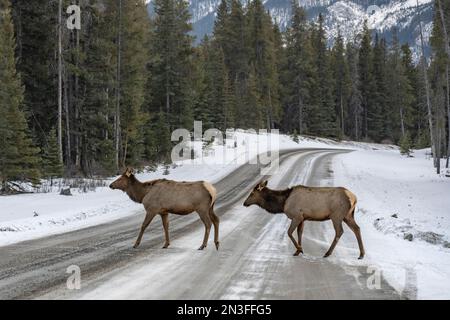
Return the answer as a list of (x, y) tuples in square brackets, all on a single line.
[(302, 203), (166, 196)]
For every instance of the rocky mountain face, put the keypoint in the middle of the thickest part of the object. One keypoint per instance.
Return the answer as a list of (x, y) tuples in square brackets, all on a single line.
[(348, 16)]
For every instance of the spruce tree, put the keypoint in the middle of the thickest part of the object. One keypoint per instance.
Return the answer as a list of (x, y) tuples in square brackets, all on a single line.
[(170, 65), (51, 165), (19, 159), (322, 116), (380, 120), (263, 58), (354, 118), (35, 26), (296, 72), (366, 79), (341, 82), (135, 55), (399, 91)]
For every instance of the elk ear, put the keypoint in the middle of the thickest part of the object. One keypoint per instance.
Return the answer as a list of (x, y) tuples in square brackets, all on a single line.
[(129, 172), (261, 185)]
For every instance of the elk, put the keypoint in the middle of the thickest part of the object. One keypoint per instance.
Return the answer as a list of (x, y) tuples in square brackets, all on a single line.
[(163, 196), (301, 203)]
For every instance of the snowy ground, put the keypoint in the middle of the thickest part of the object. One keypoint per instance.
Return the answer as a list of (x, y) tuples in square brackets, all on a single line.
[(404, 213), (403, 207), (29, 216)]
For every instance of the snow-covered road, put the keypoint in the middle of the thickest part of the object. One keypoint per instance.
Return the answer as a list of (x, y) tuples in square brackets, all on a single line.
[(255, 259)]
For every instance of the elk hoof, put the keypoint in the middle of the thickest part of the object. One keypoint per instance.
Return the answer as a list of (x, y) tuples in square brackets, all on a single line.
[(166, 246), (326, 255), (360, 257), (298, 252), (202, 247), (135, 245), (217, 245)]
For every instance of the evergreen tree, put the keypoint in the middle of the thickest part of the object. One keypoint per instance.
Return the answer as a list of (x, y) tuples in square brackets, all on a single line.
[(354, 118), (405, 144), (400, 95), (217, 108), (296, 71), (19, 159), (417, 112), (263, 58), (341, 82), (135, 55), (35, 24), (322, 116), (380, 121), (51, 165), (366, 79), (170, 62)]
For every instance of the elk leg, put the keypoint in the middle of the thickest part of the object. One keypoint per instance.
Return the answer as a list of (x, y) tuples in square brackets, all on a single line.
[(292, 227), (299, 235), (339, 231), (215, 221), (165, 221), (207, 222), (356, 230), (148, 218)]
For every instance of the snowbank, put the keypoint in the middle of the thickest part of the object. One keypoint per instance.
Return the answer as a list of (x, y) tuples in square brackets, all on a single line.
[(404, 213), (28, 216)]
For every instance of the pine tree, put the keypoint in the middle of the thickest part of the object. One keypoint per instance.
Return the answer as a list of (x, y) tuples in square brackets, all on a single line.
[(263, 58), (35, 26), (400, 92), (51, 164), (19, 159), (366, 80), (170, 62), (135, 55), (417, 112), (341, 82), (216, 107), (322, 116), (296, 72), (354, 119), (405, 144)]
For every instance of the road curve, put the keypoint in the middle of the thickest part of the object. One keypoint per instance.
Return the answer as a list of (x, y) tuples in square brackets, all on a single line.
[(254, 260)]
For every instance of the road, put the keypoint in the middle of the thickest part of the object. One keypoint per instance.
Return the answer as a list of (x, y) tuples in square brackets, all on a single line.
[(254, 261)]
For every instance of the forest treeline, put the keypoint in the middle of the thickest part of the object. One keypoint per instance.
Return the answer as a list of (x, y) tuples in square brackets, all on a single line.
[(90, 101)]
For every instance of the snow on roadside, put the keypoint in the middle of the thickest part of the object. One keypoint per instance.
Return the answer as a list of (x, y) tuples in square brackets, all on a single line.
[(404, 214), (28, 216)]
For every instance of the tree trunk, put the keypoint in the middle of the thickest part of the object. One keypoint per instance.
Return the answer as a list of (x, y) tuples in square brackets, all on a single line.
[(402, 122), (117, 113), (427, 87), (300, 111), (444, 28), (448, 115), (447, 50), (342, 117), (60, 81), (76, 102), (66, 111)]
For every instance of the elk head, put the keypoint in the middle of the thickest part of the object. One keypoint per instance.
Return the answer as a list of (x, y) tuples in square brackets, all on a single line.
[(123, 181), (256, 197)]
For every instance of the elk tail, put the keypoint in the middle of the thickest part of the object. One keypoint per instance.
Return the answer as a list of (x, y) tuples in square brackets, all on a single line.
[(353, 200), (212, 192)]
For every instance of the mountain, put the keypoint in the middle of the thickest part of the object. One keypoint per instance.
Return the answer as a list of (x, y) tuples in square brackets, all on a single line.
[(345, 15)]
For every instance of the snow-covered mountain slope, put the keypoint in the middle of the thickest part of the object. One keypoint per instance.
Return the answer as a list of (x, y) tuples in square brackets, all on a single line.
[(345, 15)]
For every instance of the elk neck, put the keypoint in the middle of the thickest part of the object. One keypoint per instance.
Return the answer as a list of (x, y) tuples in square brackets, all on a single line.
[(274, 200), (136, 190)]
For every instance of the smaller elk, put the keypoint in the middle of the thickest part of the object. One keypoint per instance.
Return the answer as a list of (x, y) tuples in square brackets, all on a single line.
[(166, 196), (302, 203)]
